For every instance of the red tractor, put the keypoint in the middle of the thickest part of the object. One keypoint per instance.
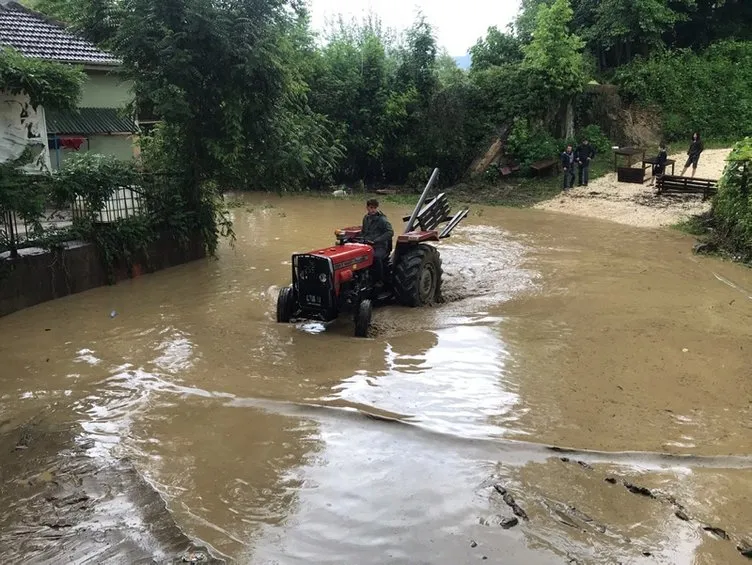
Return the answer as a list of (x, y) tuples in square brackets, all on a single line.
[(334, 280)]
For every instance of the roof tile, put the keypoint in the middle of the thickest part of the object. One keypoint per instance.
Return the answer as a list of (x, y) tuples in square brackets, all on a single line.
[(35, 36), (88, 121)]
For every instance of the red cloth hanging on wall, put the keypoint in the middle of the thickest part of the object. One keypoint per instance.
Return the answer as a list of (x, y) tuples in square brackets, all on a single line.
[(72, 142)]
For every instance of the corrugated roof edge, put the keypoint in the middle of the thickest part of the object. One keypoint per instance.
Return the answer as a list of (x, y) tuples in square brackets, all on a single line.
[(107, 64)]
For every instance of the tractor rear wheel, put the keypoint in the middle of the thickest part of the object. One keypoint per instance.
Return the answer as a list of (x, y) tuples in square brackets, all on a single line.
[(285, 304), (363, 318), (417, 276)]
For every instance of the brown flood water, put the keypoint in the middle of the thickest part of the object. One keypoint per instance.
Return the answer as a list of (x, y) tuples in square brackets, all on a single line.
[(301, 444)]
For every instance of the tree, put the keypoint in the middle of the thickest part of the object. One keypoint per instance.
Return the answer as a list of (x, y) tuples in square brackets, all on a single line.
[(622, 29), (495, 49), (91, 18), (554, 56), (418, 67)]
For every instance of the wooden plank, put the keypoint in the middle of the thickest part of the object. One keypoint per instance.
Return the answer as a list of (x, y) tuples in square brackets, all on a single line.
[(631, 175), (540, 165)]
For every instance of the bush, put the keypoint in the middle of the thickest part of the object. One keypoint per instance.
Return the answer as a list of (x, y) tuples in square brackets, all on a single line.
[(596, 137), (706, 92), (732, 206), (527, 146), (92, 178)]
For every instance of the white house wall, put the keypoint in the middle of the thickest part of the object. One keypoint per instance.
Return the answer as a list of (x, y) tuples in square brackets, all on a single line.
[(21, 126)]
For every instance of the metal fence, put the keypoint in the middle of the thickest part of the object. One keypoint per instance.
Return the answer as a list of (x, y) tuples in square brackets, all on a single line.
[(17, 234), (124, 202)]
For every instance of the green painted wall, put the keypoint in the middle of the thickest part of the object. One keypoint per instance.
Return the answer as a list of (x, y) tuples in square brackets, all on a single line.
[(105, 90), (120, 146), (102, 90)]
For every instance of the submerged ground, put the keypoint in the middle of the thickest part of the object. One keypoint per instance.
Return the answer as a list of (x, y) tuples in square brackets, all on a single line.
[(301, 444)]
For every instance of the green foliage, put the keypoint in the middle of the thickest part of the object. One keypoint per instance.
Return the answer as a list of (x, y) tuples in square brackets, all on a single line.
[(496, 49), (94, 19), (120, 241), (92, 178), (596, 137), (47, 84), (21, 194), (706, 92), (625, 29), (528, 146), (732, 206), (554, 53)]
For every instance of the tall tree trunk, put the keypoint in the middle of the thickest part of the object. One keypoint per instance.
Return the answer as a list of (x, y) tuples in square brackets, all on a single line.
[(569, 119)]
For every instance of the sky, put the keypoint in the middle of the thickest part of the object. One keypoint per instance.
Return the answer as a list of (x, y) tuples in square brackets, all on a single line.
[(458, 24)]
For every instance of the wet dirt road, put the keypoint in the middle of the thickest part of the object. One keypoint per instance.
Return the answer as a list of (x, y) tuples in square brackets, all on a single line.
[(298, 444)]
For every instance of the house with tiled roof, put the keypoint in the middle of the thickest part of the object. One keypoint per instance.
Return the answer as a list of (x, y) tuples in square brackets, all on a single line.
[(100, 124)]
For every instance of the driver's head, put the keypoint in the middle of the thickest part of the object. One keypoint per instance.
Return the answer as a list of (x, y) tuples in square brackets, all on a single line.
[(372, 206)]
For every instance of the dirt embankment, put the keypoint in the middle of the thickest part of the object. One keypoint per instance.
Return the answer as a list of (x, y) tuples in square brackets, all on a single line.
[(637, 205)]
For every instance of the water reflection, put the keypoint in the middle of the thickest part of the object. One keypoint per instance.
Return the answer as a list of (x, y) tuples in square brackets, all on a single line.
[(457, 385), (255, 434)]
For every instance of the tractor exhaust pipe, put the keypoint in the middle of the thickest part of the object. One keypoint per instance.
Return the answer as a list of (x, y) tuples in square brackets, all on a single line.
[(410, 224)]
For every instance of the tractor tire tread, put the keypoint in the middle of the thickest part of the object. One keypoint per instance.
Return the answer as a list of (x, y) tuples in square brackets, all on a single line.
[(285, 305), (363, 318), (407, 275)]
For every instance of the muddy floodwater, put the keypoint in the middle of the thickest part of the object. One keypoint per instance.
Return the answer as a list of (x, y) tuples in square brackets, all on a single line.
[(583, 396)]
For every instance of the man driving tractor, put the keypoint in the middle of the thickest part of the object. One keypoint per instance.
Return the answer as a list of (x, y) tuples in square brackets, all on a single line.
[(377, 230)]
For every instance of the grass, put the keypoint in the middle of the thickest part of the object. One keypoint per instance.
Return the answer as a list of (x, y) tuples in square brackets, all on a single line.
[(517, 191), (694, 225), (521, 191)]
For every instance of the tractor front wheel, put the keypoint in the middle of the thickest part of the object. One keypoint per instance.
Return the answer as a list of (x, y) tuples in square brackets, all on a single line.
[(285, 301), (417, 276), (363, 318)]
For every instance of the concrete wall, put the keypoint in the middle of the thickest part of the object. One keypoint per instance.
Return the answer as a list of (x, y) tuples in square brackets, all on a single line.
[(121, 146), (32, 279), (21, 126), (105, 90), (102, 90)]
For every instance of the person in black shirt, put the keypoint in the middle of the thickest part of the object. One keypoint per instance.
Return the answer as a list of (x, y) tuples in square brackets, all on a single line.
[(567, 163), (584, 154), (695, 148), (660, 163)]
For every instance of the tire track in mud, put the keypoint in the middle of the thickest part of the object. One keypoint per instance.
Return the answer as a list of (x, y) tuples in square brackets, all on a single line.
[(482, 266)]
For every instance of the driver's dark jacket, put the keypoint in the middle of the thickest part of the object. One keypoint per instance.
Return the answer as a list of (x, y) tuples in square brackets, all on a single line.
[(377, 228)]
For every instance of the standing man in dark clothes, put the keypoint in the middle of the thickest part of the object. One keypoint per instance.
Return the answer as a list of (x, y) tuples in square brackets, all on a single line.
[(585, 154), (695, 148), (377, 230), (567, 163)]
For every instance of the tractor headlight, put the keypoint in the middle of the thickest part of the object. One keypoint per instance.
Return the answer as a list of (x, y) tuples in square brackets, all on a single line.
[(323, 277)]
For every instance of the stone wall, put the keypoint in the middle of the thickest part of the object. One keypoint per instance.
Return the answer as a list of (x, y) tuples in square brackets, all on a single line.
[(39, 276)]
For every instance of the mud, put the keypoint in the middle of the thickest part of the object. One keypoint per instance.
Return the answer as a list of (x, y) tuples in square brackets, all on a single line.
[(573, 357), (637, 205), (62, 504)]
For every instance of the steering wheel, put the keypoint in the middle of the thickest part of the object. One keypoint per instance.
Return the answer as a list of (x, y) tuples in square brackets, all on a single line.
[(362, 240)]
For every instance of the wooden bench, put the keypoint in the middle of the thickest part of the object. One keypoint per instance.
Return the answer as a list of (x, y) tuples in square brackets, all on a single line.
[(686, 185), (545, 165)]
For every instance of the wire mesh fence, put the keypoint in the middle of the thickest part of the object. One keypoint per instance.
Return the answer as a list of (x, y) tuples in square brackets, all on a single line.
[(18, 232), (124, 202)]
